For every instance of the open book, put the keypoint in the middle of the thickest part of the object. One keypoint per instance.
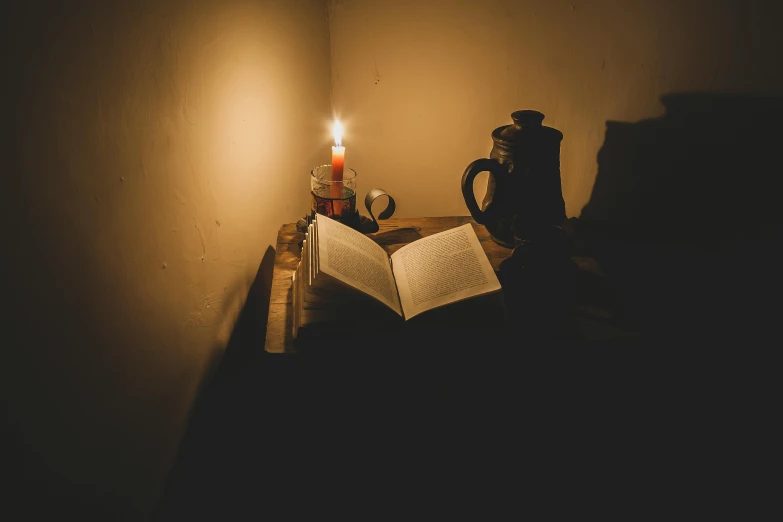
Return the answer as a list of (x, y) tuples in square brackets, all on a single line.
[(344, 274)]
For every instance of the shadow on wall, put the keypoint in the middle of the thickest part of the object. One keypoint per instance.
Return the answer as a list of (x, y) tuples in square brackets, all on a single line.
[(683, 215), (229, 392)]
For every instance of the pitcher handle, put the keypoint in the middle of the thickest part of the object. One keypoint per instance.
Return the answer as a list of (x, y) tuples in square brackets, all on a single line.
[(480, 165)]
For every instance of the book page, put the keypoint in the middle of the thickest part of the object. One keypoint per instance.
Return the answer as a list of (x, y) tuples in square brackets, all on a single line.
[(356, 260), (315, 250), (442, 268), (328, 291), (311, 251), (295, 303)]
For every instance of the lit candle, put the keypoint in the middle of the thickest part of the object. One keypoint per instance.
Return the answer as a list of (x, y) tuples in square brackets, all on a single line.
[(338, 161)]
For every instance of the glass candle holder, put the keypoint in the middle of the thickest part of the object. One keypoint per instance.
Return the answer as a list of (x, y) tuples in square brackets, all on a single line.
[(335, 199)]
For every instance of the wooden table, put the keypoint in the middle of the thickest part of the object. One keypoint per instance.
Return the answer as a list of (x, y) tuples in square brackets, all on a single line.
[(599, 314)]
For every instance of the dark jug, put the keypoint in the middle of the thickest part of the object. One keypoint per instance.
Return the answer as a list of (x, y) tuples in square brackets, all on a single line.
[(524, 194)]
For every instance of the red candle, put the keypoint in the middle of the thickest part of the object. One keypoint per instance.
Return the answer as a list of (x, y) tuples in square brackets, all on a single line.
[(338, 161)]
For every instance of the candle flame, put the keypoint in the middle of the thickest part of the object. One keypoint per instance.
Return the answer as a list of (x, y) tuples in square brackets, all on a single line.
[(337, 131)]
